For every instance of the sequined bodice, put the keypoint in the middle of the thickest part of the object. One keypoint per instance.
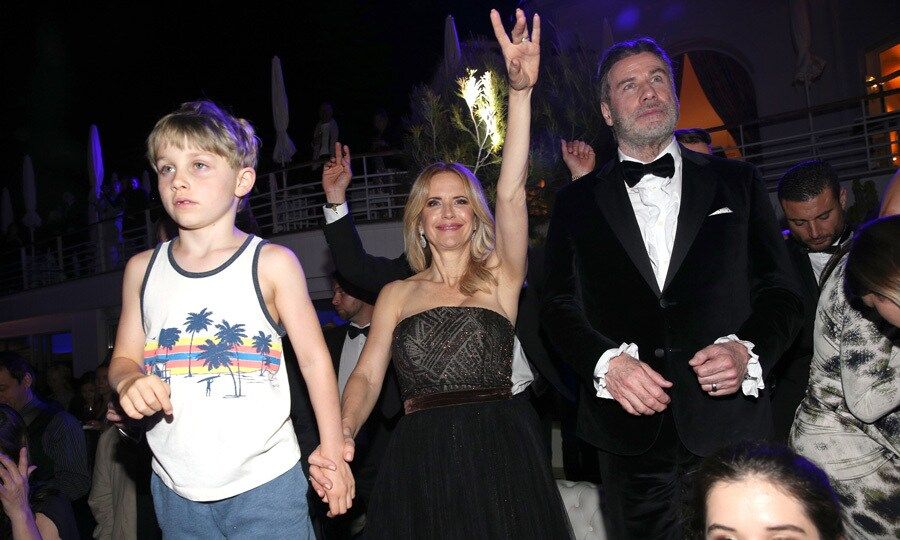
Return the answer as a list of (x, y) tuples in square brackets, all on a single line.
[(451, 348)]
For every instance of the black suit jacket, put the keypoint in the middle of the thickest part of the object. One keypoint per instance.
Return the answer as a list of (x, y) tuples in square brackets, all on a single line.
[(795, 361), (371, 273), (729, 273)]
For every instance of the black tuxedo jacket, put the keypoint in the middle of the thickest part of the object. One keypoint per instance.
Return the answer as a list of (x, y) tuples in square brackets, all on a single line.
[(795, 362), (729, 274), (371, 273)]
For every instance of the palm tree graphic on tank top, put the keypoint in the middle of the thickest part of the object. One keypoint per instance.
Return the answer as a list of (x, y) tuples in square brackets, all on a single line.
[(263, 345), (216, 355), (168, 337), (231, 336), (196, 322)]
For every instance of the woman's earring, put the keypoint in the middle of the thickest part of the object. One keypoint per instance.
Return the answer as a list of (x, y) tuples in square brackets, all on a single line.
[(422, 240)]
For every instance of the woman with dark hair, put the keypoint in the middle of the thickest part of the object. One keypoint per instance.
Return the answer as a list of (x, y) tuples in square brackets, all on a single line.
[(849, 421), (754, 490), (29, 512)]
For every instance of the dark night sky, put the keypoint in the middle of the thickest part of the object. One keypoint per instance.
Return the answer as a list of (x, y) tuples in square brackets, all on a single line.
[(122, 65)]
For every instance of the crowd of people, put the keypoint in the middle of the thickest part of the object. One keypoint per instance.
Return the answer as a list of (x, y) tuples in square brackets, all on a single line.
[(731, 380)]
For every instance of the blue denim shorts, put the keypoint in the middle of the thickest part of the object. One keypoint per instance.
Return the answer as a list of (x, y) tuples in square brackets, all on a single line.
[(276, 509)]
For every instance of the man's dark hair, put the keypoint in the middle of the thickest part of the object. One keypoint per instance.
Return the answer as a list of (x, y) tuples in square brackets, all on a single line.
[(777, 465), (624, 49), (808, 180), (16, 365), (692, 135), (353, 290)]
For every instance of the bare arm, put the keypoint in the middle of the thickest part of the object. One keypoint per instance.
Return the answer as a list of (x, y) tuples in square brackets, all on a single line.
[(140, 395), (364, 385), (282, 277), (522, 57)]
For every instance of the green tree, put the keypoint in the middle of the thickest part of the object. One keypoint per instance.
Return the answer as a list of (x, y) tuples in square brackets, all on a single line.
[(196, 322)]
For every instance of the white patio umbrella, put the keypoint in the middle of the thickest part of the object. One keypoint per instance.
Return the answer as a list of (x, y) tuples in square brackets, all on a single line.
[(95, 173), (284, 146), (452, 52), (6, 211), (29, 191)]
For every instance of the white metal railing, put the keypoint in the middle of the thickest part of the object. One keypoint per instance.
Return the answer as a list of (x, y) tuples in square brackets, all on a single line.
[(285, 201), (290, 199)]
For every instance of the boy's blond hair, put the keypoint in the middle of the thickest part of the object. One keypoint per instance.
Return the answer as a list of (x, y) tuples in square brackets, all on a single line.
[(204, 125)]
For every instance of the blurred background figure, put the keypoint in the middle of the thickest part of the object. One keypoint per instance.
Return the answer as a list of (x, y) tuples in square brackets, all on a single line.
[(695, 139), (756, 490), (60, 383), (31, 509), (325, 134)]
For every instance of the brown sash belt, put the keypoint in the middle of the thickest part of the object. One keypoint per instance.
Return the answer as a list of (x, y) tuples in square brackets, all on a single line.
[(457, 397)]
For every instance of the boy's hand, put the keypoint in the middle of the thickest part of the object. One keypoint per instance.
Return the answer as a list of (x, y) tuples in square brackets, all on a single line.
[(336, 175), (578, 156), (343, 490), (144, 395)]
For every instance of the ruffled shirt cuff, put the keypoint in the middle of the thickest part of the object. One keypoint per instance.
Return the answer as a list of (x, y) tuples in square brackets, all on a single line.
[(336, 213), (602, 367), (753, 380)]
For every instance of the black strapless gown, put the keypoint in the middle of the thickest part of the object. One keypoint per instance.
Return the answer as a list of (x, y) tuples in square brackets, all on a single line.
[(467, 461)]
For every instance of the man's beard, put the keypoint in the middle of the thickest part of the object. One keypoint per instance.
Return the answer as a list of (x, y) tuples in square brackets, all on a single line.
[(626, 130)]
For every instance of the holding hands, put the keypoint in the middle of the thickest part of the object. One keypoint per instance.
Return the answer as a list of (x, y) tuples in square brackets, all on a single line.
[(521, 53), (721, 368), (336, 175), (332, 479)]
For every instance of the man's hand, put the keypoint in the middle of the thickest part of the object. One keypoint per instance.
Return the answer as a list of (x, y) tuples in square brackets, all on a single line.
[(578, 156), (721, 368), (336, 175), (637, 388), (144, 395), (521, 53), (318, 464)]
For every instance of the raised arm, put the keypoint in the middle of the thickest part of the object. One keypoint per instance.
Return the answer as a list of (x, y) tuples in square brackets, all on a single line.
[(521, 53), (365, 271)]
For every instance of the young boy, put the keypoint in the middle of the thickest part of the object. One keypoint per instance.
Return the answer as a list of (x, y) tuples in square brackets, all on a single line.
[(198, 350)]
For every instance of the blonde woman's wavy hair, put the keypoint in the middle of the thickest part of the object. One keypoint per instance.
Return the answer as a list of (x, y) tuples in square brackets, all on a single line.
[(478, 276)]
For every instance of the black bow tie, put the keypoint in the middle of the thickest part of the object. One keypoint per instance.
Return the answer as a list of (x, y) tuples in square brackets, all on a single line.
[(663, 167), (354, 331)]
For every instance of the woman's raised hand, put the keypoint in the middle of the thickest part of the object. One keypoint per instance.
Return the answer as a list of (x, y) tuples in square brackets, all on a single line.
[(521, 52)]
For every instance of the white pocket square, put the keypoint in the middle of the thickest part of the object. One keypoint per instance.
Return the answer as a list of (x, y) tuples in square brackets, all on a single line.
[(723, 210)]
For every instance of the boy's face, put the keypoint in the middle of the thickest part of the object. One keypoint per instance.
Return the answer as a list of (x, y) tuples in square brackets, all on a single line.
[(198, 188)]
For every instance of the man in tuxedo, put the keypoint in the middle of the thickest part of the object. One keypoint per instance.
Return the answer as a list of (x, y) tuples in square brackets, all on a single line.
[(814, 205), (670, 292)]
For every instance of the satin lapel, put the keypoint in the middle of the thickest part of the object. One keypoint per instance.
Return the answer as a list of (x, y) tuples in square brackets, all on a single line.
[(698, 186), (609, 191)]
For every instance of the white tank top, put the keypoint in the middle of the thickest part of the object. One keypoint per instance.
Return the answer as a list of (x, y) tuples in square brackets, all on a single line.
[(210, 336)]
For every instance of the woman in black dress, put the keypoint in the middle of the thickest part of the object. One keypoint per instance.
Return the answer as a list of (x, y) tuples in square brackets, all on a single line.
[(467, 459)]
